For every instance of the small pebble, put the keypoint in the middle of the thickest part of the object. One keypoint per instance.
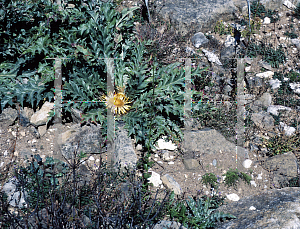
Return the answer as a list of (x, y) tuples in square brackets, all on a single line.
[(247, 163), (47, 139), (5, 153), (214, 162), (171, 163), (91, 158), (233, 197), (253, 183), (259, 176)]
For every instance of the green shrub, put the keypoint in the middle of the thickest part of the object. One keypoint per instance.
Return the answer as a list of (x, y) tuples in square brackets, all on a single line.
[(294, 182), (200, 213), (273, 57), (294, 76), (259, 10), (209, 115), (211, 179), (297, 11), (284, 93), (280, 144), (291, 35), (232, 176), (40, 174), (57, 187), (221, 29)]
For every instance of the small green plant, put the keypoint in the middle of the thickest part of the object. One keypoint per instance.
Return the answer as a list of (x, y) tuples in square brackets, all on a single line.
[(258, 10), (51, 115), (201, 216), (177, 210), (40, 174), (145, 164), (232, 176), (211, 116), (291, 35), (255, 27), (200, 213), (210, 179), (276, 119), (294, 76), (294, 182), (221, 29), (280, 144), (3, 209), (270, 55), (297, 11), (248, 121), (284, 93)]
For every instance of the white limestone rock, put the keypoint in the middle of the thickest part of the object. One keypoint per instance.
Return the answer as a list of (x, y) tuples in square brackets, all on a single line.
[(233, 197), (273, 109), (288, 4), (155, 179), (267, 20), (171, 184), (212, 57), (275, 83), (288, 130), (266, 75), (162, 144), (247, 163), (40, 117)]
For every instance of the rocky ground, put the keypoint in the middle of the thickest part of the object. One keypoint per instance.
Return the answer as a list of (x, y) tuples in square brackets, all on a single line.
[(171, 46), (16, 142)]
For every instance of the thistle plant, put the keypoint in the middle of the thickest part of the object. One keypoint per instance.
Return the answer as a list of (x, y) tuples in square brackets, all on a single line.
[(117, 102)]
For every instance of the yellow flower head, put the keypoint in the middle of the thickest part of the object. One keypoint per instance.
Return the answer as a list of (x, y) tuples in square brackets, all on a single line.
[(117, 101)]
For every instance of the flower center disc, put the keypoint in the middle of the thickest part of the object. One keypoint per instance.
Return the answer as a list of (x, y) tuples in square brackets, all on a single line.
[(118, 102)]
